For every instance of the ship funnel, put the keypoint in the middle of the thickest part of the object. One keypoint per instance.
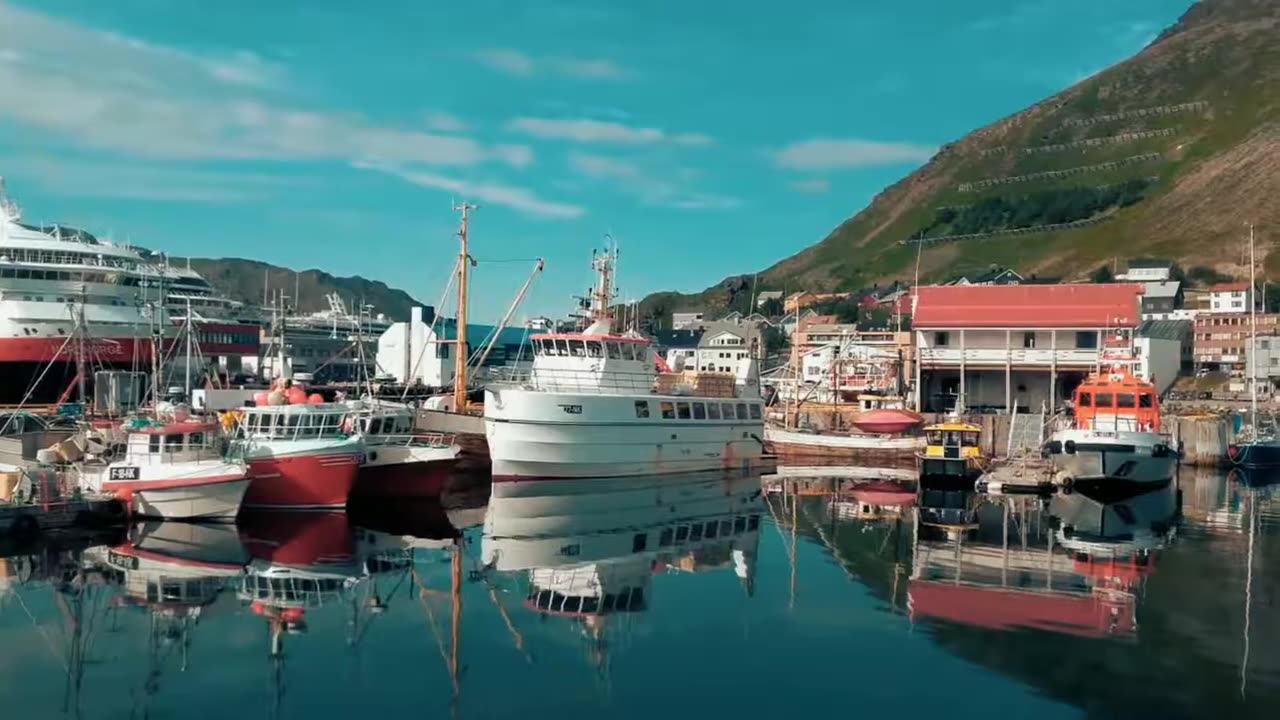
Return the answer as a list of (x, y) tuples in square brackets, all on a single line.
[(748, 378)]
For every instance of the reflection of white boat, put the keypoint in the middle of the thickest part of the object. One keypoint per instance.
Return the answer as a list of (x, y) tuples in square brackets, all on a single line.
[(593, 553), (177, 567), (1138, 524)]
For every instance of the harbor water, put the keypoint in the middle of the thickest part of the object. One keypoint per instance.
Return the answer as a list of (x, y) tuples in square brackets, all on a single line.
[(789, 595)]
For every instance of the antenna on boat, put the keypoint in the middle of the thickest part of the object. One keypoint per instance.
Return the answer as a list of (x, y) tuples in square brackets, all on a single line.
[(1253, 336)]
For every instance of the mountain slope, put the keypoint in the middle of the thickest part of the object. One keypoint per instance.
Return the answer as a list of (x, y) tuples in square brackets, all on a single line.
[(244, 280), (1167, 154)]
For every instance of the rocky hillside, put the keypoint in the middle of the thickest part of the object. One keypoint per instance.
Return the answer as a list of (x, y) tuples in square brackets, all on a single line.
[(244, 280), (1169, 153)]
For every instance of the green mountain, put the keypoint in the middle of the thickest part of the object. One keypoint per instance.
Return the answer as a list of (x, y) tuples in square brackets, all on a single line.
[(1167, 154), (245, 280)]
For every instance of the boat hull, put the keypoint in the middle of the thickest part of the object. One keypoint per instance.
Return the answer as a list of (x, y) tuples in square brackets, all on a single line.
[(213, 501), (955, 468), (532, 436), (1255, 455), (404, 480), (855, 448), (1132, 457), (886, 421), (320, 481)]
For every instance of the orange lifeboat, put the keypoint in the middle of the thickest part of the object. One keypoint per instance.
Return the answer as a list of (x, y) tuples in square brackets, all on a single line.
[(1116, 400), (886, 421)]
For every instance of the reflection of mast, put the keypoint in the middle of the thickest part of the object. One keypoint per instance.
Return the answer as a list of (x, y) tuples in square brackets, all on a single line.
[(1248, 590)]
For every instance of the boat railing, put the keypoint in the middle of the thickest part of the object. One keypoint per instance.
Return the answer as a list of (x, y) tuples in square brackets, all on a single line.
[(613, 382), (422, 440), (572, 380)]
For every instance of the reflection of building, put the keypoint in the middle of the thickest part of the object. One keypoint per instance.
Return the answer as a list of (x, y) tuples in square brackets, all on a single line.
[(1075, 569)]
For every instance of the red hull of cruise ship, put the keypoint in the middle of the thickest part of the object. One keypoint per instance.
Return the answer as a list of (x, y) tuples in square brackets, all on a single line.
[(44, 349), (302, 482), (422, 480)]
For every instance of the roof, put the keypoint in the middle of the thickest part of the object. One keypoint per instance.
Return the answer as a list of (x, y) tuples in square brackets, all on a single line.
[(1027, 306), (1229, 287), (480, 334), (677, 338), (769, 295), (1162, 289), (1166, 329)]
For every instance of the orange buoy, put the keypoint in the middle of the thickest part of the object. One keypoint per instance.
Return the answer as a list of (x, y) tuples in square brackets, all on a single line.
[(315, 398)]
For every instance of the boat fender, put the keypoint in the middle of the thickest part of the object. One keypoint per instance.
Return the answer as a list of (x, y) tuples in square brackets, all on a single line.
[(1054, 447), (1160, 450), (1069, 447)]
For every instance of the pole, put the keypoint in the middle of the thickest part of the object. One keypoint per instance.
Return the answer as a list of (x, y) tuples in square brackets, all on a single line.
[(460, 357), (1253, 337), (187, 364), (80, 333)]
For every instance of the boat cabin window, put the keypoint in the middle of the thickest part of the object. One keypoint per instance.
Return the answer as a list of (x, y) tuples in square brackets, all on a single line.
[(695, 533), (668, 410), (755, 412), (642, 408), (712, 530), (1125, 400), (594, 349), (612, 349), (375, 426), (153, 444), (665, 537), (713, 411), (628, 351), (577, 348), (1086, 400), (742, 411), (699, 411), (728, 411), (1104, 400), (969, 439), (682, 410), (172, 443), (195, 440), (1146, 400)]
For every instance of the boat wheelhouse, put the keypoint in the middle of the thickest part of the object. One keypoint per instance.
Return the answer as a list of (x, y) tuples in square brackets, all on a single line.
[(1115, 433), (300, 456), (595, 405), (953, 449), (174, 471)]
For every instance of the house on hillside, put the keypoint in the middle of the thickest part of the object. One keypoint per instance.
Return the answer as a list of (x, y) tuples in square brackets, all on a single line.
[(724, 345), (996, 347), (1165, 350), (765, 296), (678, 347), (1229, 298), (686, 320), (1161, 297), (993, 276), (1147, 270), (802, 300)]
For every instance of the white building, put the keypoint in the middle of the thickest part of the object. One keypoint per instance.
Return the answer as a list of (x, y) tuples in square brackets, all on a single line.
[(723, 346), (1229, 298), (1147, 271), (1027, 346), (686, 320), (414, 352)]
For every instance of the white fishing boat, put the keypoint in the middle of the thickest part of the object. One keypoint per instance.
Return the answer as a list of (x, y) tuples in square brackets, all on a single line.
[(399, 462), (595, 405)]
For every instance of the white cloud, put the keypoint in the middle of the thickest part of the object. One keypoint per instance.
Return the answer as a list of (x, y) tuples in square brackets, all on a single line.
[(516, 198), (98, 179), (512, 62), (588, 130), (516, 62), (631, 179), (445, 122), (814, 186), (113, 93), (832, 153)]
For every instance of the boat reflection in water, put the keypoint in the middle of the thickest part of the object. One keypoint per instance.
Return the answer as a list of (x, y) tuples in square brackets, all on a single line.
[(590, 549), (1074, 564)]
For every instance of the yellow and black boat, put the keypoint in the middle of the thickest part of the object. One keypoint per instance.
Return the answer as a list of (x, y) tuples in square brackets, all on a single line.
[(952, 450)]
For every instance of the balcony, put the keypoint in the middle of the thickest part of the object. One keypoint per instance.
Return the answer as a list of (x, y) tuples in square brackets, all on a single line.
[(998, 357)]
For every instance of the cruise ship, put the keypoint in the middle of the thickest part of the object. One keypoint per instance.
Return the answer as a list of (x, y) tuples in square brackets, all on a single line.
[(59, 283)]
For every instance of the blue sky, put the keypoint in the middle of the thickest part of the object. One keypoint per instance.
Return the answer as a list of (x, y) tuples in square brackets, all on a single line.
[(709, 138)]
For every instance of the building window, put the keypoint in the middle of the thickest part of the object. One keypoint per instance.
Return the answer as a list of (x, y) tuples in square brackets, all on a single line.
[(1029, 340), (642, 408), (1087, 340), (941, 339)]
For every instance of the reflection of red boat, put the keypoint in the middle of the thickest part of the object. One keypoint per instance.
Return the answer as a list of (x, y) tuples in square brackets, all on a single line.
[(886, 421), (883, 493), (1097, 614), (298, 539)]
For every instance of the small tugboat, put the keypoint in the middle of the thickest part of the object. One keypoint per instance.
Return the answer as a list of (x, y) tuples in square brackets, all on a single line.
[(1115, 435), (397, 461), (952, 450)]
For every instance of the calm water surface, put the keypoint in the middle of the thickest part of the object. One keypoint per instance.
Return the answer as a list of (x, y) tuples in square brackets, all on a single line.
[(687, 597)]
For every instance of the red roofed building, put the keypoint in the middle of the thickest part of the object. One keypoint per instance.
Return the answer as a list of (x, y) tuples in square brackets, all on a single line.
[(994, 347)]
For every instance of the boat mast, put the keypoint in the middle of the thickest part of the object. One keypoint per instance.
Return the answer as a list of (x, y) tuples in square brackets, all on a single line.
[(1253, 336), (460, 357), (80, 331), (602, 295), (187, 364)]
